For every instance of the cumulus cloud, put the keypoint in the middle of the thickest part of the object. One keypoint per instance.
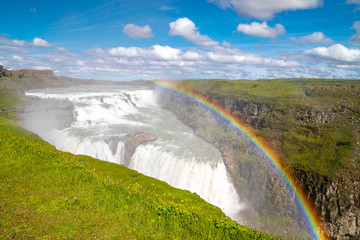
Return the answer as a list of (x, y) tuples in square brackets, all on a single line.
[(261, 30), (192, 56), (186, 28), (316, 37), (135, 31), (356, 37), (336, 54), (40, 42), (154, 52), (265, 9)]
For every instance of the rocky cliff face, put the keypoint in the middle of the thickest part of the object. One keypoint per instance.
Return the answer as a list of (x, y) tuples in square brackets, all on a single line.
[(258, 185), (336, 200), (25, 73)]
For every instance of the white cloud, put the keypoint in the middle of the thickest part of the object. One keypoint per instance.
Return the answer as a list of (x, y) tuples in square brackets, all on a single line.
[(167, 8), (159, 61), (316, 37), (18, 58), (80, 63), (225, 44), (336, 54), (61, 49), (136, 31), (41, 68), (356, 37), (13, 49), (40, 42), (125, 52), (166, 53), (186, 28), (354, 2), (12, 42), (265, 9), (18, 42), (192, 56), (261, 30), (154, 52), (3, 62), (237, 56)]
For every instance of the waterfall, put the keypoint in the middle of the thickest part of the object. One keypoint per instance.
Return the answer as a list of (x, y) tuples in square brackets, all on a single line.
[(104, 116)]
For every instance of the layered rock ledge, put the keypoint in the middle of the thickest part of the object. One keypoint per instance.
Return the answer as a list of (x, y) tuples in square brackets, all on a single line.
[(131, 145)]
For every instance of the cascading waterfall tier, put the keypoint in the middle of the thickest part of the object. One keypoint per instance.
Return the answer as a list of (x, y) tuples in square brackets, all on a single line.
[(105, 115)]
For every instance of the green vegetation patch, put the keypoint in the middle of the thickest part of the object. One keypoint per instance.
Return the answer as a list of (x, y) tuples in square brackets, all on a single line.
[(48, 194), (322, 153), (312, 122), (271, 92), (10, 98), (279, 93)]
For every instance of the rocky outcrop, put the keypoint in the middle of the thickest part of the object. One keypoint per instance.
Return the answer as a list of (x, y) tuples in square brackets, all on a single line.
[(137, 138), (2, 71), (249, 112), (250, 108), (314, 116)]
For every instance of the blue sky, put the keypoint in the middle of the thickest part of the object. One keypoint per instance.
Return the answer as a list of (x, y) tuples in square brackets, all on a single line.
[(176, 39)]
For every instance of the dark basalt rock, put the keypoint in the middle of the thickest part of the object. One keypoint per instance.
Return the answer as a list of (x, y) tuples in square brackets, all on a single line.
[(337, 202)]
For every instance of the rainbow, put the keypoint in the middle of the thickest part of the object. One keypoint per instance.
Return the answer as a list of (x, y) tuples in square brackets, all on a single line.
[(305, 206)]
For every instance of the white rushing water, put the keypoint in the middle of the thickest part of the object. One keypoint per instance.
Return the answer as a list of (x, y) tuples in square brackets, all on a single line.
[(104, 115)]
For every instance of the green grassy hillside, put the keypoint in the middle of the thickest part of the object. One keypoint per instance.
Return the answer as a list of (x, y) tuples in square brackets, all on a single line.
[(48, 194), (45, 193)]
